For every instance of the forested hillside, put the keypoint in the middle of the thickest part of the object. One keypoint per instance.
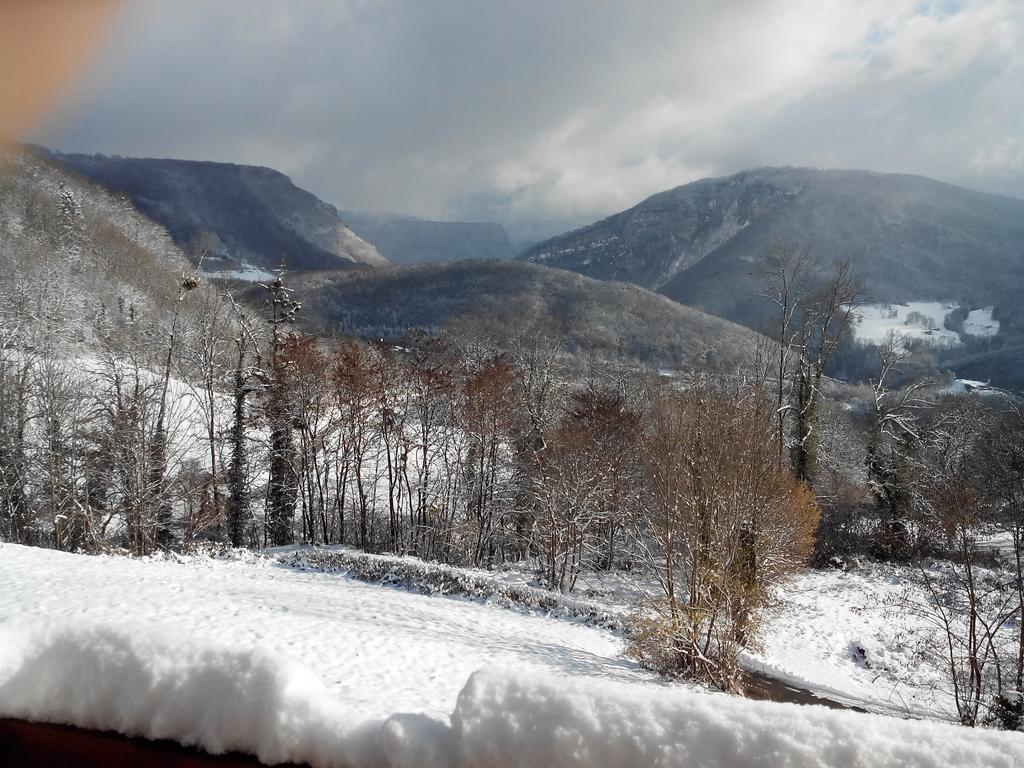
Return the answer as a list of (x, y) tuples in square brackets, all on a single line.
[(77, 260), (612, 321), (96, 303), (703, 243), (242, 213)]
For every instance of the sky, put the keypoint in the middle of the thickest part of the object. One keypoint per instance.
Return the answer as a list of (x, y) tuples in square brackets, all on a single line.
[(542, 114)]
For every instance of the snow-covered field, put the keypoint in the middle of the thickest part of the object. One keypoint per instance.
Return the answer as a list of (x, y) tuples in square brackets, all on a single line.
[(979, 322), (921, 320), (246, 654), (245, 272)]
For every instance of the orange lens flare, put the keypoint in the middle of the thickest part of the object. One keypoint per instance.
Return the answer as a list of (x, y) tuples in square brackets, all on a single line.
[(44, 46)]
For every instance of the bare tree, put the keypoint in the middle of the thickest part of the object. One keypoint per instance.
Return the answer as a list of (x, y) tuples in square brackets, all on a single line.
[(786, 272), (207, 361), (723, 523), (967, 603), (243, 384), (156, 495), (893, 449), (491, 416), (999, 469), (824, 319)]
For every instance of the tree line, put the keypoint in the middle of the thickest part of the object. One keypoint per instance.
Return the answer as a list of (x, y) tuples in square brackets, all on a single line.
[(135, 425)]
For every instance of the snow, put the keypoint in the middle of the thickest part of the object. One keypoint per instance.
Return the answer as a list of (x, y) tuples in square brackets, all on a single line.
[(381, 650), (874, 322), (507, 721), (973, 387), (856, 637), (244, 654), (979, 322), (863, 637), (134, 681), (245, 272)]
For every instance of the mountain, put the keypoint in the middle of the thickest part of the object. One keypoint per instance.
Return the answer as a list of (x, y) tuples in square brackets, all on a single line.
[(610, 319), (409, 240), (910, 238), (248, 214)]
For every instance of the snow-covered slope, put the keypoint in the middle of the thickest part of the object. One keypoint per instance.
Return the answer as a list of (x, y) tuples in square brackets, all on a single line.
[(381, 650), (860, 637), (244, 655)]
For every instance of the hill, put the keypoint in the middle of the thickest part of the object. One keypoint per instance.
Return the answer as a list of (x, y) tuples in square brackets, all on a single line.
[(76, 261), (249, 214), (609, 319), (409, 240), (701, 243)]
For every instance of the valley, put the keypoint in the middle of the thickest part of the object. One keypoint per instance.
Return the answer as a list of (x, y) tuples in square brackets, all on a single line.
[(512, 385)]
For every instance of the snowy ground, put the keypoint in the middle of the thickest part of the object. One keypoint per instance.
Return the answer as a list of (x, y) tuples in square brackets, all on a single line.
[(979, 322), (857, 637), (874, 322), (247, 655), (854, 636), (382, 650)]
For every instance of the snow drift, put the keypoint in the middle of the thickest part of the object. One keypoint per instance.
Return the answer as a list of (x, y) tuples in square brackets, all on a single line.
[(132, 681), (503, 721)]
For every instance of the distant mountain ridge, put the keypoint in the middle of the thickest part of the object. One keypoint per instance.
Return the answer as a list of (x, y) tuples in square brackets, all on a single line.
[(701, 243), (410, 240), (614, 321), (249, 213)]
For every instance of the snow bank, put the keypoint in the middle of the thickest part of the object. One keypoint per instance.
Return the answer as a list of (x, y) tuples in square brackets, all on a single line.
[(137, 683), (379, 650), (133, 682), (503, 721)]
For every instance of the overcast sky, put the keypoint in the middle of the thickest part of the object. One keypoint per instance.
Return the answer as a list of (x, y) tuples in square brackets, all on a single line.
[(556, 110)]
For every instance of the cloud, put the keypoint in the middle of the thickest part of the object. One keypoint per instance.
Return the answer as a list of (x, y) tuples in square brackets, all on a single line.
[(535, 110), (1005, 155)]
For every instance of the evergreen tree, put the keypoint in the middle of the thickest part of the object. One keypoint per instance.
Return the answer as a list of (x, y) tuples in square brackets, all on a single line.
[(282, 491)]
